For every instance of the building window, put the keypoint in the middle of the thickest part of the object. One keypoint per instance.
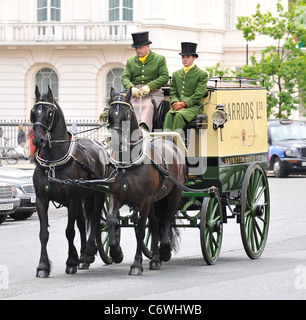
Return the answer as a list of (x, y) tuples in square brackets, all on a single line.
[(228, 14), (47, 77), (48, 10), (113, 79), (120, 10)]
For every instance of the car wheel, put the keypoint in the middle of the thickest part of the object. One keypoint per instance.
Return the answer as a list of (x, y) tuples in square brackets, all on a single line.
[(278, 169), (2, 218), (21, 216)]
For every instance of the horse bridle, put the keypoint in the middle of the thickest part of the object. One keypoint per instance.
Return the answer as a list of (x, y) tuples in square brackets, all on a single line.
[(128, 114), (51, 115)]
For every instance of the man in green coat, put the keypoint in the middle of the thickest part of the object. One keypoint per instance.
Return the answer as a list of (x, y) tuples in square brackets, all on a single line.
[(187, 90), (145, 73)]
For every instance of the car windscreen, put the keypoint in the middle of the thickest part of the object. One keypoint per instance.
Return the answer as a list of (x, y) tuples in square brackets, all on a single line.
[(288, 132)]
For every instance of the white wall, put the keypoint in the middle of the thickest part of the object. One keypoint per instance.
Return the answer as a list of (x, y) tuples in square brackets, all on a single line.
[(82, 68)]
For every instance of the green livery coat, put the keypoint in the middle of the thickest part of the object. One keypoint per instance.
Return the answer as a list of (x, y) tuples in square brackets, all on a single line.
[(153, 72)]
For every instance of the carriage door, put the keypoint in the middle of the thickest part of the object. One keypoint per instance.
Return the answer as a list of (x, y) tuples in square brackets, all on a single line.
[(48, 11)]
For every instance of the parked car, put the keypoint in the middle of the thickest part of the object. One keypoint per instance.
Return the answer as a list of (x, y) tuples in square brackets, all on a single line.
[(287, 147), (8, 200), (26, 193), (16, 173)]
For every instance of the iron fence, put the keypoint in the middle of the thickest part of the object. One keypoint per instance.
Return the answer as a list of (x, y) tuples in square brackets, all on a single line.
[(9, 129)]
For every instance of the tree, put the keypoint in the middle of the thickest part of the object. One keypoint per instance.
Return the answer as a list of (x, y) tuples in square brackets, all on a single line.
[(217, 71), (282, 64)]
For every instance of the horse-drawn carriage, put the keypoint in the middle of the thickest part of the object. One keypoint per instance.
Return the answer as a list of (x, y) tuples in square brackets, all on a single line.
[(226, 153), (224, 176)]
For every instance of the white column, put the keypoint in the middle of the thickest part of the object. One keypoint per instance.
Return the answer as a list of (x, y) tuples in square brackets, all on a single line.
[(10, 11), (203, 12), (154, 10)]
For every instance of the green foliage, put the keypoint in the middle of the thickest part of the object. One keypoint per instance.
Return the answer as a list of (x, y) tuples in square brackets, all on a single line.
[(282, 64), (217, 71)]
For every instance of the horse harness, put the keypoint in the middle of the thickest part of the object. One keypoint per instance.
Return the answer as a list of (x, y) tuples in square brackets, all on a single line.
[(51, 167)]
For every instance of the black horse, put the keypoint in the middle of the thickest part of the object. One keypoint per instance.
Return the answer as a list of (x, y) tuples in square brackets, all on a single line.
[(141, 184), (61, 157)]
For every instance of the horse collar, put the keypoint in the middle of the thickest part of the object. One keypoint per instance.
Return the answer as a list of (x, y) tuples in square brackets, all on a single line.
[(46, 164)]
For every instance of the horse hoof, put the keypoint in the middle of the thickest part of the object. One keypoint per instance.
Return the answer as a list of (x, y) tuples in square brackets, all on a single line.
[(42, 274), (71, 270), (89, 259), (165, 253), (155, 265), (84, 266), (116, 255), (136, 271)]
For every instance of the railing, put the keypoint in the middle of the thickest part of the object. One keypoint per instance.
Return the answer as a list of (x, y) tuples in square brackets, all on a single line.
[(10, 130), (65, 32)]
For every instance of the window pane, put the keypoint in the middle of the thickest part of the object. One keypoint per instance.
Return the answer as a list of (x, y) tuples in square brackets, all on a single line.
[(56, 3), (114, 15), (41, 3), (128, 3), (45, 77), (55, 15), (113, 4), (127, 15), (42, 15), (113, 79)]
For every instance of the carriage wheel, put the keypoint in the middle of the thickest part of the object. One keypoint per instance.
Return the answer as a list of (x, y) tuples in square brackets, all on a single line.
[(255, 211), (211, 229), (103, 237)]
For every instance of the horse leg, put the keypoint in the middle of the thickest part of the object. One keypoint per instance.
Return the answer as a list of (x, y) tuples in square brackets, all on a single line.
[(44, 268), (114, 245), (82, 228), (136, 268), (73, 259), (155, 263)]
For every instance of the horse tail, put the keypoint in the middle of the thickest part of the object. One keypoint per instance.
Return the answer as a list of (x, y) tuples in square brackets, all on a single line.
[(168, 232), (174, 236), (88, 207)]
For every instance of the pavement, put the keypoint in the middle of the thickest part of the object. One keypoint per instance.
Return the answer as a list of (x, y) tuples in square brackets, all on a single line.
[(21, 164)]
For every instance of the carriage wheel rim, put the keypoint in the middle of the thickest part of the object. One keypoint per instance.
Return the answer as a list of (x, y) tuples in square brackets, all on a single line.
[(211, 230), (256, 212)]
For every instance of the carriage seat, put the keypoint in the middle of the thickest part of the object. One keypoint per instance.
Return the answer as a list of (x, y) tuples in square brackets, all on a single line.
[(200, 120)]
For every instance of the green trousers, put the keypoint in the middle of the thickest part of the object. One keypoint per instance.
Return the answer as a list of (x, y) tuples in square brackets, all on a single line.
[(174, 121)]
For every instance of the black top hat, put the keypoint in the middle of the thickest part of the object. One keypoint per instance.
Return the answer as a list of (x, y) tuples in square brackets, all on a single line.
[(189, 49), (140, 39)]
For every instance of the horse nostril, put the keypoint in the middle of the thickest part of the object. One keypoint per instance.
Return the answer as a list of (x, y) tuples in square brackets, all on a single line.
[(38, 142)]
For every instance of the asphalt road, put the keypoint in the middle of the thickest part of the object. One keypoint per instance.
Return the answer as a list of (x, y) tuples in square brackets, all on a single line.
[(279, 274)]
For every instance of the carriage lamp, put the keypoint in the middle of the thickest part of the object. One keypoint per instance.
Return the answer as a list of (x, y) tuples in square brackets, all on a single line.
[(220, 117)]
